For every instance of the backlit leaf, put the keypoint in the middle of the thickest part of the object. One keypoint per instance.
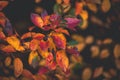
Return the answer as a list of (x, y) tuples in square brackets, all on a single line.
[(59, 40), (18, 67), (61, 30), (37, 20), (72, 23), (34, 44), (33, 59), (8, 49), (62, 60)]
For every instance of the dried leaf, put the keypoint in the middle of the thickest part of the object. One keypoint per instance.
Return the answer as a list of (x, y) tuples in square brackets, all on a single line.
[(86, 74), (37, 20), (18, 67), (62, 60), (8, 61), (105, 6)]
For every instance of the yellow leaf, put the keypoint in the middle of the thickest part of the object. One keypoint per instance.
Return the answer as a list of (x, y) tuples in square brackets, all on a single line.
[(105, 6), (84, 14), (14, 41), (52, 45), (18, 67), (32, 55)]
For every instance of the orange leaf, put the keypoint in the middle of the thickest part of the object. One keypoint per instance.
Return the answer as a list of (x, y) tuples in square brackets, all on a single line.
[(34, 44), (61, 30), (3, 4), (28, 35), (62, 60), (18, 67), (39, 36), (37, 20), (8, 49)]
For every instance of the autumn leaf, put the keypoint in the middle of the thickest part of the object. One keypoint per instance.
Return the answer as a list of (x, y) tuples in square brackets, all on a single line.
[(37, 20), (61, 30), (62, 60), (27, 35), (38, 36), (8, 61), (42, 70), (2, 35), (73, 51), (34, 45), (44, 45), (59, 40), (3, 4), (26, 73), (8, 28), (51, 44), (8, 49), (72, 23), (105, 6), (51, 64), (15, 42), (92, 7), (33, 59), (18, 67), (2, 19)]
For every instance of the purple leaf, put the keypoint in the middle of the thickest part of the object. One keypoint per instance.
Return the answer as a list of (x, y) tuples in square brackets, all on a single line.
[(8, 28), (72, 23), (44, 13)]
